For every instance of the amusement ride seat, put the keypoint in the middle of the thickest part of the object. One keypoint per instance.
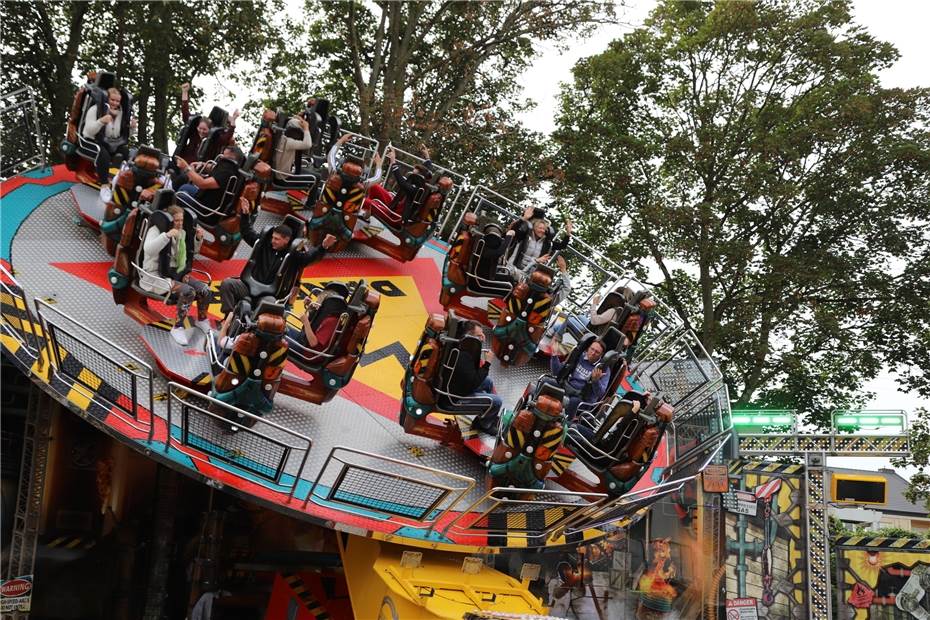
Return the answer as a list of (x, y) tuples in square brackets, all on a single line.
[(342, 321), (248, 378), (210, 216), (288, 273), (617, 440), (486, 276), (522, 322), (452, 348), (94, 94)]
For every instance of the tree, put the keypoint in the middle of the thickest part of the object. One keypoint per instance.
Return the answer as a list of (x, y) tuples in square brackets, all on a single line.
[(444, 73), (918, 490), (748, 151), (152, 47), (40, 46)]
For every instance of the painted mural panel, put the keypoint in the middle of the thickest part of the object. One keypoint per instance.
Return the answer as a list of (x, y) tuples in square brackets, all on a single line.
[(883, 578), (765, 564)]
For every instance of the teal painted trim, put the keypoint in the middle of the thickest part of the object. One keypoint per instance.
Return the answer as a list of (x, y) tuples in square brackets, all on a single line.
[(17, 205)]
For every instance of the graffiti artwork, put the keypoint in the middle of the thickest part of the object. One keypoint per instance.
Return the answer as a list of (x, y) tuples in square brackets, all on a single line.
[(883, 578)]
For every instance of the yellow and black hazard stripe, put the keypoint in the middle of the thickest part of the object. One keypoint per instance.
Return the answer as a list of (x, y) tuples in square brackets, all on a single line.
[(71, 542), (561, 461), (765, 467), (542, 306), (873, 542), (303, 595)]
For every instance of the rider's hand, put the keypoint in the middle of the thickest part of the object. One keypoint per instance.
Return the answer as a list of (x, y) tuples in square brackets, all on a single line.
[(185, 88), (173, 233), (328, 242), (133, 122), (199, 234), (560, 261), (181, 163), (244, 207), (147, 195), (106, 119), (377, 160), (528, 213), (345, 138), (596, 374), (424, 151), (233, 117), (543, 259), (568, 227)]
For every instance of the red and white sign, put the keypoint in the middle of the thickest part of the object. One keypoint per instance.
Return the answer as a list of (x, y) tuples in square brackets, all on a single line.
[(742, 609), (769, 488), (16, 594)]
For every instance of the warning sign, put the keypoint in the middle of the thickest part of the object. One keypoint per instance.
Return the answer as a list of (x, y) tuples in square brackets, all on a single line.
[(715, 479), (742, 609), (16, 594), (741, 503)]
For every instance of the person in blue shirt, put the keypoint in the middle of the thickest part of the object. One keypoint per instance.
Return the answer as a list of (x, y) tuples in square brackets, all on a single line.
[(588, 382)]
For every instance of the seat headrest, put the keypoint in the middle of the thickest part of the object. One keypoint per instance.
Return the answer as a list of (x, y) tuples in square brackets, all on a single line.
[(161, 220), (340, 288), (540, 278), (445, 185), (296, 225), (550, 390), (613, 339), (268, 307), (352, 167), (163, 199), (359, 294), (105, 80), (549, 405), (493, 229), (471, 344), (218, 117)]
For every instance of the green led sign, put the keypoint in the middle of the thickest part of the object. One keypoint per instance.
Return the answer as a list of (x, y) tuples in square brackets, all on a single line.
[(870, 421), (761, 420)]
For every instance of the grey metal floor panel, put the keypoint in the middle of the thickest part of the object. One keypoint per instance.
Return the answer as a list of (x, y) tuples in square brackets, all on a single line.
[(49, 235)]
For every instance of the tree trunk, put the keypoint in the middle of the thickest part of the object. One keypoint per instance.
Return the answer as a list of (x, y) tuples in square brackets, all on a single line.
[(708, 326)]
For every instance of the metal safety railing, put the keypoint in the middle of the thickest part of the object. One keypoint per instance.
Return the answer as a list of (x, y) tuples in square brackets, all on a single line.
[(20, 133), (502, 512), (380, 484), (101, 370), (248, 442), (17, 320)]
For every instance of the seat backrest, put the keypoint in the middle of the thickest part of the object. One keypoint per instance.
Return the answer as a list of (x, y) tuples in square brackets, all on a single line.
[(331, 306), (297, 225), (340, 288), (572, 360), (266, 306)]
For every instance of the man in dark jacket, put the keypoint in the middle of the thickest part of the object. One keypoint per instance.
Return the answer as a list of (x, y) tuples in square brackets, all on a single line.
[(470, 378), (269, 259), (588, 381)]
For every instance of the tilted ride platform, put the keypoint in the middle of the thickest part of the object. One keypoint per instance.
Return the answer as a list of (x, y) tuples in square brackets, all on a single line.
[(347, 464)]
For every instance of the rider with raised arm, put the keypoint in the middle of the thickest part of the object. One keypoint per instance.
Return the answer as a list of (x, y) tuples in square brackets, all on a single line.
[(407, 185), (534, 238), (268, 260), (190, 151)]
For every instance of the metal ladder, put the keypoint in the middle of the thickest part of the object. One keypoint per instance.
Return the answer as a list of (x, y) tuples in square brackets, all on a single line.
[(31, 484)]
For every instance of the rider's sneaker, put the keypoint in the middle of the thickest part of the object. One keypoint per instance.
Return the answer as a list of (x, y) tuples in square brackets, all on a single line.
[(180, 336)]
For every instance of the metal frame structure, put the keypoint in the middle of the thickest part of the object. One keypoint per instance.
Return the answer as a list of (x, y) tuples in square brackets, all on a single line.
[(814, 449), (21, 104)]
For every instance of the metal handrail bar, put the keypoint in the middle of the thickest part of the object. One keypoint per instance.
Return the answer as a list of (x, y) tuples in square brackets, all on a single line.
[(175, 388), (463, 492), (498, 501), (149, 375)]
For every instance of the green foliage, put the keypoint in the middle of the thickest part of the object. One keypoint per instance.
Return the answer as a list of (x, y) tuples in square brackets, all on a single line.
[(153, 47), (753, 143), (918, 491), (443, 73)]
